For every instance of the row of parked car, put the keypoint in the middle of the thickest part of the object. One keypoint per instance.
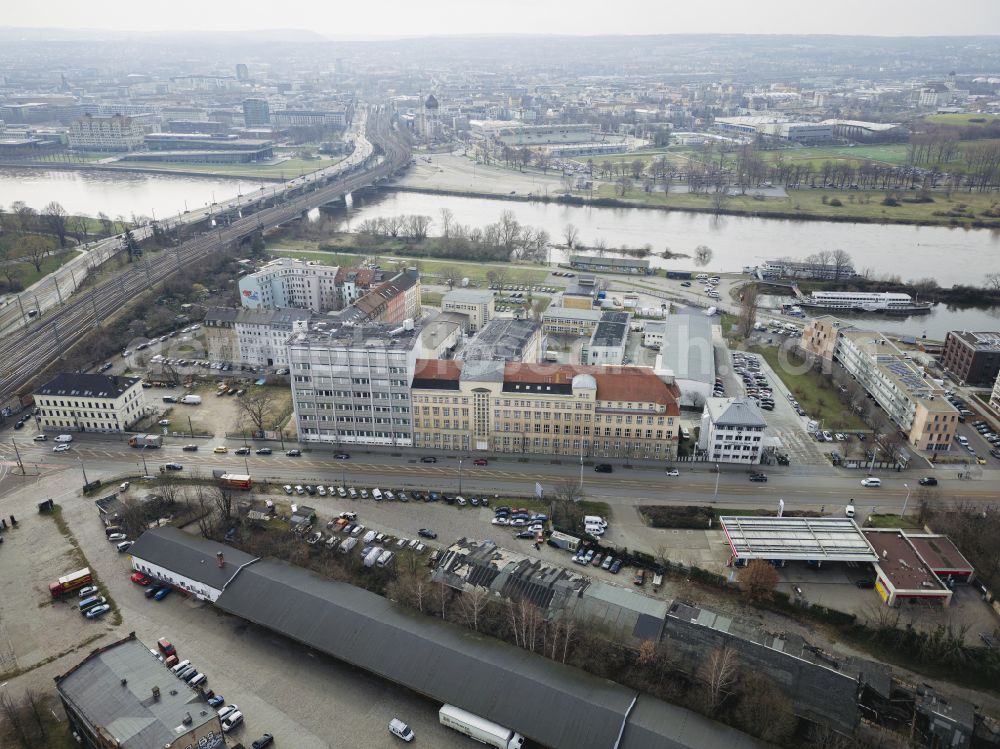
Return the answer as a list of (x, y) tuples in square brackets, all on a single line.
[(92, 604)]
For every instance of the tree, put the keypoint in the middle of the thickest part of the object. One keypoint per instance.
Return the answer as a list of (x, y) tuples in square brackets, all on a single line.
[(224, 501), (55, 218), (637, 166), (842, 263), (418, 226), (34, 703), (564, 504), (497, 278), (34, 249), (131, 246), (763, 709), (449, 274), (992, 281), (748, 310), (720, 198), (718, 674), (10, 268), (572, 235), (257, 245), (702, 255), (26, 216), (257, 407), (623, 186), (447, 219), (107, 225), (758, 580)]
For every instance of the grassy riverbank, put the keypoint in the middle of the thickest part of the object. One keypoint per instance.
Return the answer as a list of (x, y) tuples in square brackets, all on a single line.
[(284, 171)]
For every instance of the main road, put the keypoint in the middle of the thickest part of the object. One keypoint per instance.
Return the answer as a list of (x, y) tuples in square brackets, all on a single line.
[(824, 489), (379, 154)]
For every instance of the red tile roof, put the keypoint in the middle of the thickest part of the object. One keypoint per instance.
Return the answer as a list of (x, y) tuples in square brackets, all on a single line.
[(635, 384)]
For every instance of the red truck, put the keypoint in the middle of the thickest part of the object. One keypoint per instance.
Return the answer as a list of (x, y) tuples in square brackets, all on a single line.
[(235, 481), (72, 581)]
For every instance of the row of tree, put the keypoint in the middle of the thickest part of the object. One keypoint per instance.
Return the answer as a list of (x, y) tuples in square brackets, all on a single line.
[(506, 239)]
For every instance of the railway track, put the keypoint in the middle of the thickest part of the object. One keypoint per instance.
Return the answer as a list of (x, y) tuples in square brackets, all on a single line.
[(28, 352)]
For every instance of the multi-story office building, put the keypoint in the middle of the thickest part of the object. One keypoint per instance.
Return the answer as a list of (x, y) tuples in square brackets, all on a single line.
[(256, 113), (90, 402), (972, 358), (732, 431), (262, 335), (914, 402), (622, 412), (114, 133), (351, 384), (478, 305), (290, 282), (609, 339), (309, 118), (506, 339)]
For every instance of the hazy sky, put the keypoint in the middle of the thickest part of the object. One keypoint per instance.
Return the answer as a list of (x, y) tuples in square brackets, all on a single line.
[(345, 18)]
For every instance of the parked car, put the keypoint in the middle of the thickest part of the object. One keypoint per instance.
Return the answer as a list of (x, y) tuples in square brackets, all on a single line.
[(672, 472), (97, 611), (232, 721), (640, 577), (90, 590), (118, 537), (427, 533), (173, 467), (161, 593), (243, 451), (220, 449), (216, 700), (228, 710), (615, 566), (140, 578), (525, 534), (265, 740)]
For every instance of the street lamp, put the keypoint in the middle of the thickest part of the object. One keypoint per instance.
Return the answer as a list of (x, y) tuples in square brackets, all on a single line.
[(907, 487), (460, 475), (717, 474)]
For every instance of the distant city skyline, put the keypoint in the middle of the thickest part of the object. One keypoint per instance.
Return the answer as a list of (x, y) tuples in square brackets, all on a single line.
[(396, 18)]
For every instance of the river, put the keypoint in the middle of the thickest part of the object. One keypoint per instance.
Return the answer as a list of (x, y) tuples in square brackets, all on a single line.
[(951, 256), (89, 192)]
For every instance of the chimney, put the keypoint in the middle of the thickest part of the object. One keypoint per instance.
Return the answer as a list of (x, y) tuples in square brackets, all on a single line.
[(220, 559), (156, 694)]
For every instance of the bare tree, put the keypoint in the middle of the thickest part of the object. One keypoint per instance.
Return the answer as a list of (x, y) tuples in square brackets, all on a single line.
[(55, 218), (758, 580), (34, 702), (34, 249), (472, 603), (623, 186), (572, 235), (447, 219), (842, 263), (26, 216), (107, 225), (224, 500), (450, 275), (763, 709), (720, 199), (15, 720), (718, 674), (636, 168), (748, 310), (10, 268), (497, 277), (417, 226), (992, 281), (702, 255), (564, 504), (256, 407)]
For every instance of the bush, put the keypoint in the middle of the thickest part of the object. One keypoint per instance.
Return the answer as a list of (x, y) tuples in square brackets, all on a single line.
[(835, 202), (668, 516)]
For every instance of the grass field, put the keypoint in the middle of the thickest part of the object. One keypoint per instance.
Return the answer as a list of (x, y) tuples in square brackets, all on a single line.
[(961, 119), (284, 170), (476, 272), (811, 389), (809, 204)]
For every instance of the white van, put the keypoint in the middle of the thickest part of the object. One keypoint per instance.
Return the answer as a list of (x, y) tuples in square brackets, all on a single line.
[(64, 438), (595, 530), (376, 495), (369, 537), (385, 559), (181, 666), (595, 520)]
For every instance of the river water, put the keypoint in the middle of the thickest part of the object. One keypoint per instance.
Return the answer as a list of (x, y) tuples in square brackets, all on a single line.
[(949, 255), (115, 193)]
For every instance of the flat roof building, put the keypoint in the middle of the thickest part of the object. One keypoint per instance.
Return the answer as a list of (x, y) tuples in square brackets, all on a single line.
[(630, 266), (570, 320), (121, 695), (972, 358), (478, 305), (687, 353), (506, 339), (902, 573), (824, 539), (609, 339)]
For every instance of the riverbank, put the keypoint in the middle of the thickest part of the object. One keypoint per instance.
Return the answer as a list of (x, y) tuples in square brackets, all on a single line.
[(209, 171), (965, 210)]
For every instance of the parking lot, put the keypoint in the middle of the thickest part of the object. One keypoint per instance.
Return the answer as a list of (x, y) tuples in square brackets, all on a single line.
[(305, 699)]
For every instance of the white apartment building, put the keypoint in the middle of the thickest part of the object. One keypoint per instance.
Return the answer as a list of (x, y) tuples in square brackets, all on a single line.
[(995, 396), (89, 403), (478, 305), (115, 133), (732, 431), (291, 283), (351, 384), (262, 335)]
